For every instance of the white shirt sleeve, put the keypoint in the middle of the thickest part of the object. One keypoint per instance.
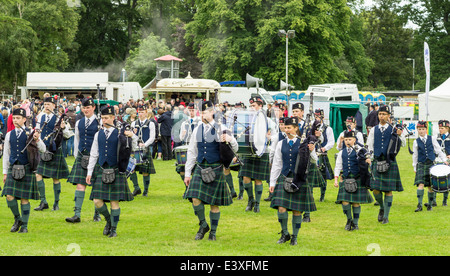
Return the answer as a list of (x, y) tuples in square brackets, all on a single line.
[(415, 155), (76, 140), (6, 153), (338, 166), (192, 153), (277, 165), (93, 156)]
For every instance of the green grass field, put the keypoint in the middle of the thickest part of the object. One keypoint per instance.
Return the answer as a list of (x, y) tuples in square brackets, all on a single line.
[(164, 224)]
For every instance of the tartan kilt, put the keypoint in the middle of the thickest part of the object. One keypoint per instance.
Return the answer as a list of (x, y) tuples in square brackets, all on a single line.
[(117, 191), (56, 168), (21, 189), (256, 167), (301, 200), (216, 193), (326, 170), (148, 166), (423, 175), (77, 175), (388, 181), (362, 194), (315, 178)]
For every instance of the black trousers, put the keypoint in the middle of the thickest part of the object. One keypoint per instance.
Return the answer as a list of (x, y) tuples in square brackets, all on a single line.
[(166, 143)]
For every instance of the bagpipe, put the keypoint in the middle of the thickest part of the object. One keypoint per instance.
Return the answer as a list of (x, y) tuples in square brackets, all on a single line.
[(395, 142), (124, 145), (303, 157)]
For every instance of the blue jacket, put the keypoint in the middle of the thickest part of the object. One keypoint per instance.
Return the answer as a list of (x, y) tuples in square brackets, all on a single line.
[(166, 122)]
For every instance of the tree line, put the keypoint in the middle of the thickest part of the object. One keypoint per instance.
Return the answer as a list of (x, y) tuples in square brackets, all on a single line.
[(335, 40)]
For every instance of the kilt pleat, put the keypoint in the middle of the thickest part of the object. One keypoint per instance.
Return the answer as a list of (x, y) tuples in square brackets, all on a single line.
[(302, 200), (315, 178), (216, 193), (388, 181), (21, 189), (56, 168), (116, 191), (326, 170), (256, 167), (77, 175), (362, 194), (423, 174)]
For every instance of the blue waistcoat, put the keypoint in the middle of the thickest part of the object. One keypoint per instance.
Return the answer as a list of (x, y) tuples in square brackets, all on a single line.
[(426, 151), (17, 145), (446, 147), (289, 156), (86, 136), (381, 141), (145, 129), (48, 128), (208, 148), (107, 149), (349, 163)]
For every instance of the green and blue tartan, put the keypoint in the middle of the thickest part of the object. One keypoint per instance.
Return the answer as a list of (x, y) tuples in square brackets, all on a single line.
[(116, 191), (302, 200), (147, 167), (215, 193), (423, 175), (56, 168), (388, 181), (21, 189), (77, 175), (325, 169), (256, 168), (315, 178), (362, 194)]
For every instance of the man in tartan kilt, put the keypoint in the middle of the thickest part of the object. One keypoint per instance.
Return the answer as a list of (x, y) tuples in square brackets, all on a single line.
[(256, 168), (443, 139), (425, 149), (386, 175), (347, 162), (283, 166), (144, 129), (56, 168), (203, 154), (326, 142), (85, 130), (107, 186), (24, 188)]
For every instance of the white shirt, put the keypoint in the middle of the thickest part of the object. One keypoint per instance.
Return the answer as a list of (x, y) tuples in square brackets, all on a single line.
[(192, 152), (186, 125), (436, 147), (76, 139), (371, 137), (339, 165), (7, 149), (277, 164)]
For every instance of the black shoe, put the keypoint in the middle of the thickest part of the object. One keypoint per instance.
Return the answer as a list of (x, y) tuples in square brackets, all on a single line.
[(55, 206), (256, 208), (284, 238), (419, 208), (380, 215), (429, 208), (240, 197), (306, 219), (107, 229), (269, 198), (112, 233), (23, 230), (74, 219), (16, 225), (354, 227), (97, 217), (348, 226), (444, 203), (385, 221), (145, 193), (137, 192), (201, 232), (434, 204), (293, 240), (41, 206), (250, 205), (322, 198), (212, 237)]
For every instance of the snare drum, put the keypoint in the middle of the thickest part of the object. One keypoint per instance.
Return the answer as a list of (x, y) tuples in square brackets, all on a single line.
[(131, 166), (139, 156), (250, 129), (440, 175), (181, 155)]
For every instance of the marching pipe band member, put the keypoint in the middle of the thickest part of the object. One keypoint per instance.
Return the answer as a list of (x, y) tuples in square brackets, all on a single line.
[(283, 166), (55, 168), (108, 185), (386, 175), (255, 168), (144, 129), (443, 139), (206, 186), (425, 149), (347, 162), (326, 142), (21, 186), (350, 122), (298, 110), (240, 106), (85, 130)]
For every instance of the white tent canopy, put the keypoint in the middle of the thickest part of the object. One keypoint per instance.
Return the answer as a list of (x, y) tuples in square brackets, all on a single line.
[(438, 103)]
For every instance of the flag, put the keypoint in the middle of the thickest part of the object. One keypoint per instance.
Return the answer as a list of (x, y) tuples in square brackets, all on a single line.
[(426, 59)]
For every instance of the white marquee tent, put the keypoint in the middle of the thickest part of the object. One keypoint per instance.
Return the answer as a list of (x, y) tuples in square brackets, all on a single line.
[(438, 103)]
